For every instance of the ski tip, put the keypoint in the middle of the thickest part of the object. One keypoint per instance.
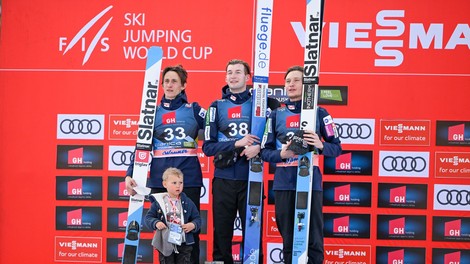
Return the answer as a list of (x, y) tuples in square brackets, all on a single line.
[(154, 55)]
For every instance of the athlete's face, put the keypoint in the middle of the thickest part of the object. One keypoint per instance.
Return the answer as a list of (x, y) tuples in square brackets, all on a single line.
[(172, 85), (173, 185), (293, 85), (236, 78)]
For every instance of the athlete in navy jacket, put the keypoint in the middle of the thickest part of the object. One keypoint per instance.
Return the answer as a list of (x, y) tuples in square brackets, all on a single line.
[(227, 128), (175, 141), (282, 123)]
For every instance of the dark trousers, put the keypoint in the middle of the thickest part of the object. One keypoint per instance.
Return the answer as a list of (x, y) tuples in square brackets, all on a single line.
[(182, 257), (285, 210), (228, 196), (194, 193)]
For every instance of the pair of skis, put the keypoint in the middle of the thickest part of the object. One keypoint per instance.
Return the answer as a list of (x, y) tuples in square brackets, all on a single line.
[(308, 120), (254, 206), (142, 155)]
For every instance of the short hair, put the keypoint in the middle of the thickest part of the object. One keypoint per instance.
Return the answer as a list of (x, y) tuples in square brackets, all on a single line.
[(294, 68), (242, 62), (172, 171), (182, 73)]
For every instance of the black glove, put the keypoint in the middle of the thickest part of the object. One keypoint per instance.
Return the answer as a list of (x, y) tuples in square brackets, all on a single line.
[(298, 145), (225, 159)]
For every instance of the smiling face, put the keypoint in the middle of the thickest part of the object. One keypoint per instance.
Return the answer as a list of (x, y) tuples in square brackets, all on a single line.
[(236, 78), (173, 185), (293, 85), (172, 85)]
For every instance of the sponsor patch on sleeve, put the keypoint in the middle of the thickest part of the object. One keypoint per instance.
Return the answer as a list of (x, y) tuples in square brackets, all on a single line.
[(330, 126), (202, 112), (211, 114)]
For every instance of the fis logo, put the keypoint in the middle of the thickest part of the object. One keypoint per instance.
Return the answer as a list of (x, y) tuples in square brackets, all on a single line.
[(75, 187), (452, 228), (74, 218), (398, 195), (343, 193), (344, 162), (88, 44), (456, 133), (75, 156), (293, 121), (169, 118), (396, 226), (235, 112), (396, 257), (341, 225)]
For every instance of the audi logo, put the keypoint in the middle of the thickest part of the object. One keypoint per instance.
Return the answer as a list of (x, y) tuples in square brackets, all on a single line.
[(276, 255), (77, 126), (122, 158), (203, 191), (408, 163), (354, 131), (237, 224), (453, 197)]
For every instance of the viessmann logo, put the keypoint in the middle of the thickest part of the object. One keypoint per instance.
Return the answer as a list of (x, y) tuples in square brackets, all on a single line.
[(83, 42), (389, 30)]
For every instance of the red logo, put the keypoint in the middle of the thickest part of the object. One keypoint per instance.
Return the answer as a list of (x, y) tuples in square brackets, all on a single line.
[(122, 219), (293, 121), (398, 195), (396, 226), (396, 257), (452, 258), (271, 228), (456, 133), (343, 161), (343, 193), (142, 156), (122, 189), (169, 118), (74, 218), (452, 228), (341, 225), (235, 112), (75, 187), (75, 156)]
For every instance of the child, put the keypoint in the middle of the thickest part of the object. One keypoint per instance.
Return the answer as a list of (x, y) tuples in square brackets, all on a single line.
[(171, 214)]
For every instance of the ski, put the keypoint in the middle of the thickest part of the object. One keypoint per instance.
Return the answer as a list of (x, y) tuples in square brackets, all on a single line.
[(254, 205), (142, 155), (308, 120)]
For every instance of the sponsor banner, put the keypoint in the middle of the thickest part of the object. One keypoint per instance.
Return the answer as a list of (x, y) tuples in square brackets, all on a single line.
[(271, 225), (274, 253), (452, 197), (237, 252), (350, 162), (204, 220), (332, 95), (453, 133), (346, 225), (77, 126), (115, 248), (117, 220), (79, 188), (123, 127), (78, 218), (78, 249), (450, 256), (203, 160), (347, 194), (117, 189), (205, 191), (343, 254), (400, 255), (356, 130), (120, 157), (403, 227), (412, 196), (404, 164), (79, 157), (451, 229), (452, 165), (405, 132)]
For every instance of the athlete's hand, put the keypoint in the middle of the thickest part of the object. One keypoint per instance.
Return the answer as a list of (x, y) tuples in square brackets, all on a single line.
[(247, 140), (313, 139), (286, 153), (130, 184), (251, 151)]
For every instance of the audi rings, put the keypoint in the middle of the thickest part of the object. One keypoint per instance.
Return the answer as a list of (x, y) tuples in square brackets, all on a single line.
[(276, 255), (453, 197), (77, 126), (408, 163), (237, 224), (354, 130), (120, 158)]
